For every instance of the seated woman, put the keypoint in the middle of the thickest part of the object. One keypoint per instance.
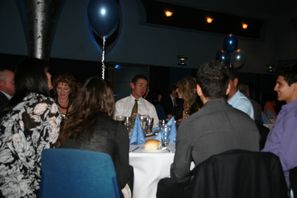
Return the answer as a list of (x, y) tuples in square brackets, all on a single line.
[(65, 87), (31, 125), (186, 90), (90, 127)]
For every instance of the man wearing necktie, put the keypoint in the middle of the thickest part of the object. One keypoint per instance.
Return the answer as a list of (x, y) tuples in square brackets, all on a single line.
[(135, 104)]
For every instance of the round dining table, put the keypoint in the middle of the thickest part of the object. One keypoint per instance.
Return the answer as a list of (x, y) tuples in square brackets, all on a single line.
[(149, 168)]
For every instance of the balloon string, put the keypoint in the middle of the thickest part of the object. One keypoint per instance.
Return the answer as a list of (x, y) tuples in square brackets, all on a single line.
[(102, 60)]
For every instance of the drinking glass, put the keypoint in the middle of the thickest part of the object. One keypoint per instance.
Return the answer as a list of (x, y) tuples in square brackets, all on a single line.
[(143, 120), (120, 118), (162, 124), (149, 126), (165, 130), (127, 122)]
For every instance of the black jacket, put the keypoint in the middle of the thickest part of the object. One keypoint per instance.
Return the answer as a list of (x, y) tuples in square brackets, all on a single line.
[(239, 173)]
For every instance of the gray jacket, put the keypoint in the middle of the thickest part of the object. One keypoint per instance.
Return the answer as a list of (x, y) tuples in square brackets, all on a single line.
[(215, 128)]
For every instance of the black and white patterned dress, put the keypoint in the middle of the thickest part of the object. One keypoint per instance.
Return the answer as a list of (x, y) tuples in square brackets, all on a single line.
[(31, 126)]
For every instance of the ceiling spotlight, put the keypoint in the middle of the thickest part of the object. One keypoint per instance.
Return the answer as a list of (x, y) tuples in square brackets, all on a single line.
[(244, 25), (269, 68), (182, 60), (209, 19), (168, 13)]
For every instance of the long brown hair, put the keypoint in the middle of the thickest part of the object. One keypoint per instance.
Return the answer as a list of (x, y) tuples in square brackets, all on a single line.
[(96, 96), (187, 88)]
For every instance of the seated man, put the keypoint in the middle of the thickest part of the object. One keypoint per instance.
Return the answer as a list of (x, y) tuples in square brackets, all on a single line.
[(169, 102), (237, 99), (135, 103), (215, 128), (245, 89)]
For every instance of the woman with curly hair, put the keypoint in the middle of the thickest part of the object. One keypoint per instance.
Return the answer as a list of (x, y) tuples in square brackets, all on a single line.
[(65, 87), (186, 90), (90, 126)]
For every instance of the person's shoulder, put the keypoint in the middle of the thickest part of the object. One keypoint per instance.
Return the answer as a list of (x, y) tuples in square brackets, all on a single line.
[(108, 123), (194, 119), (43, 98), (107, 120), (40, 101), (123, 100), (104, 118), (148, 103), (3, 100), (240, 117), (2, 95), (244, 99)]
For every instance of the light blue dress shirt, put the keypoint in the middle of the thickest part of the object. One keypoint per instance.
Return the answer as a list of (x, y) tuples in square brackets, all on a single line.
[(242, 103)]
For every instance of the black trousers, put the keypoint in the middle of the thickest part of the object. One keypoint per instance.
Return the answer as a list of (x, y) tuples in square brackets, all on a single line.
[(169, 188)]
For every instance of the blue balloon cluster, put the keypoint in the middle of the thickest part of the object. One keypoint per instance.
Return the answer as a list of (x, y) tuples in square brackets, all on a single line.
[(231, 55)]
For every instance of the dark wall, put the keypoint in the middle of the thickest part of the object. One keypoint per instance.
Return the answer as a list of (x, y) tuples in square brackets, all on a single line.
[(80, 69), (161, 78)]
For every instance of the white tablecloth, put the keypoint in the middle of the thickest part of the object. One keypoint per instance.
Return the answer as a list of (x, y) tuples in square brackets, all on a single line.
[(149, 168)]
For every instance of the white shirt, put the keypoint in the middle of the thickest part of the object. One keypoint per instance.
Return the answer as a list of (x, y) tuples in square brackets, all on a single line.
[(123, 107), (7, 95)]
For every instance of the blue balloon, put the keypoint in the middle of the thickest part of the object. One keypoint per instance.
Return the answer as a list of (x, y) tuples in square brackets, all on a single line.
[(103, 16), (230, 43), (223, 57), (237, 59)]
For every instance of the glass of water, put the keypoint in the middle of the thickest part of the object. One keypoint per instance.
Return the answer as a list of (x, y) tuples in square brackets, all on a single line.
[(165, 131)]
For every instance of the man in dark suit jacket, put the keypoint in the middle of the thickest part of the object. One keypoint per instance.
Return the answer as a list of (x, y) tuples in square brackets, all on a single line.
[(215, 128), (7, 88), (169, 102)]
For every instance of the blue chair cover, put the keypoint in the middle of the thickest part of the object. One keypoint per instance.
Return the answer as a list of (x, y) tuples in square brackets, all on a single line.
[(77, 173)]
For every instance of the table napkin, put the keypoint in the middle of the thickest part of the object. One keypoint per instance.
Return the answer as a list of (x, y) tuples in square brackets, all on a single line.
[(172, 134), (137, 136)]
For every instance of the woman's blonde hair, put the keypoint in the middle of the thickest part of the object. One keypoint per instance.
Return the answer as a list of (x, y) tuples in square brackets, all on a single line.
[(187, 89)]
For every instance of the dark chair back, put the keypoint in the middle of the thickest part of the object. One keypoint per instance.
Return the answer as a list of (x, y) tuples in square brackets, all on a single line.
[(239, 173), (77, 173)]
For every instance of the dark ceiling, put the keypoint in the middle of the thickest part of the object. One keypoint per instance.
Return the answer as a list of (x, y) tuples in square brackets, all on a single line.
[(193, 18)]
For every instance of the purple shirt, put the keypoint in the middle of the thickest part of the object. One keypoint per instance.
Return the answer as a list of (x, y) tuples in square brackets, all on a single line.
[(282, 139)]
